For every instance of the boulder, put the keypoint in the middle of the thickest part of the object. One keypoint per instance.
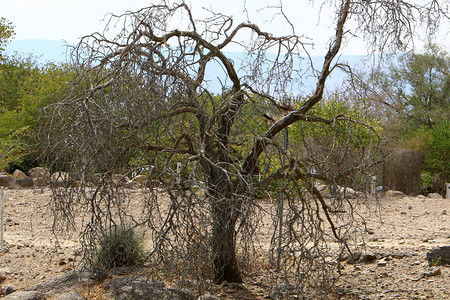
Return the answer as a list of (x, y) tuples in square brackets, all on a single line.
[(67, 282), (439, 256), (434, 196), (39, 182), (142, 288), (346, 191), (7, 181), (40, 175), (9, 289), (23, 295), (140, 179), (18, 174), (25, 181)]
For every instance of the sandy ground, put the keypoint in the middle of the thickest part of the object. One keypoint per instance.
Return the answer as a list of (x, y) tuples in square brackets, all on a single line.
[(400, 231)]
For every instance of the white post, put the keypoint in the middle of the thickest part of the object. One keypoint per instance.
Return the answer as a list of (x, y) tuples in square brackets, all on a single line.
[(1, 219), (373, 183), (281, 204), (178, 179), (447, 191)]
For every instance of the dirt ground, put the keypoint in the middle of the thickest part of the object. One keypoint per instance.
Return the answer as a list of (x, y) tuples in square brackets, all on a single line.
[(400, 234)]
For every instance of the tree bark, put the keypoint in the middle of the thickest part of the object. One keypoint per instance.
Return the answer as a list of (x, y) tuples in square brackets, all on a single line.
[(224, 213), (224, 246)]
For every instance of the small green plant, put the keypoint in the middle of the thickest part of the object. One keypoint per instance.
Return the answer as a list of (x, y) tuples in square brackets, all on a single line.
[(436, 262), (120, 246)]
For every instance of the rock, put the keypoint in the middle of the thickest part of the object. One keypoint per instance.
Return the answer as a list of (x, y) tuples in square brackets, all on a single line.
[(140, 179), (25, 181), (24, 295), (7, 181), (430, 272), (421, 197), (368, 258), (439, 256), (63, 283), (382, 262), (345, 190), (393, 194), (137, 288), (39, 172), (60, 179), (5, 271), (2, 278), (18, 174), (40, 175), (434, 196), (9, 290), (71, 296), (358, 257), (322, 188)]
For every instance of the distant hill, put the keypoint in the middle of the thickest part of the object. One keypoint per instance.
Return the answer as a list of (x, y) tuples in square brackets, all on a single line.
[(57, 51), (44, 50)]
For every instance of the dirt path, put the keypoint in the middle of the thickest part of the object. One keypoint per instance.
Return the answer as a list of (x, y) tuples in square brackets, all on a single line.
[(400, 231)]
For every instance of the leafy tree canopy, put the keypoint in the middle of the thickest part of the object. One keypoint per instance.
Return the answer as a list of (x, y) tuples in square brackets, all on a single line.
[(25, 88), (6, 34)]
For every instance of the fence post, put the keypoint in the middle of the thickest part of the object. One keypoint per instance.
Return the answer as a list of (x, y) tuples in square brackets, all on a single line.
[(178, 178), (281, 203), (1, 218), (447, 191), (373, 183)]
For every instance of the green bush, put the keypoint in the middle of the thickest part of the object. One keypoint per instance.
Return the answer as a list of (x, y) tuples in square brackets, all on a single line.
[(437, 158), (120, 246)]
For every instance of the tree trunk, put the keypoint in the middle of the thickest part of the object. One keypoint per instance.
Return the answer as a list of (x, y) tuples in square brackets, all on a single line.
[(224, 245), (224, 213)]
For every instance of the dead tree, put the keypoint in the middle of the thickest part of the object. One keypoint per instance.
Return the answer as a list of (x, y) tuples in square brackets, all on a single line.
[(141, 104)]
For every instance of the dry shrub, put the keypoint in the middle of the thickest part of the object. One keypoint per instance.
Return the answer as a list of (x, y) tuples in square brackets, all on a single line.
[(403, 171)]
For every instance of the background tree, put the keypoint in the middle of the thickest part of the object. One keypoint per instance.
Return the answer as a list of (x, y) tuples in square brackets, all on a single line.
[(145, 107), (25, 88), (414, 94), (6, 34)]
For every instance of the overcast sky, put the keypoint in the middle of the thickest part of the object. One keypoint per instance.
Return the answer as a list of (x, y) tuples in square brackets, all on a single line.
[(69, 20)]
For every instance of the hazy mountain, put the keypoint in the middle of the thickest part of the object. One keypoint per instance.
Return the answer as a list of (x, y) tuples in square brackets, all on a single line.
[(57, 51), (43, 50)]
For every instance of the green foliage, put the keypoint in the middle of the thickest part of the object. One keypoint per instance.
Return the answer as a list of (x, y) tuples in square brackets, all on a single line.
[(6, 34), (120, 246), (422, 85), (342, 141), (14, 72), (412, 96), (350, 125), (25, 88), (437, 158)]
